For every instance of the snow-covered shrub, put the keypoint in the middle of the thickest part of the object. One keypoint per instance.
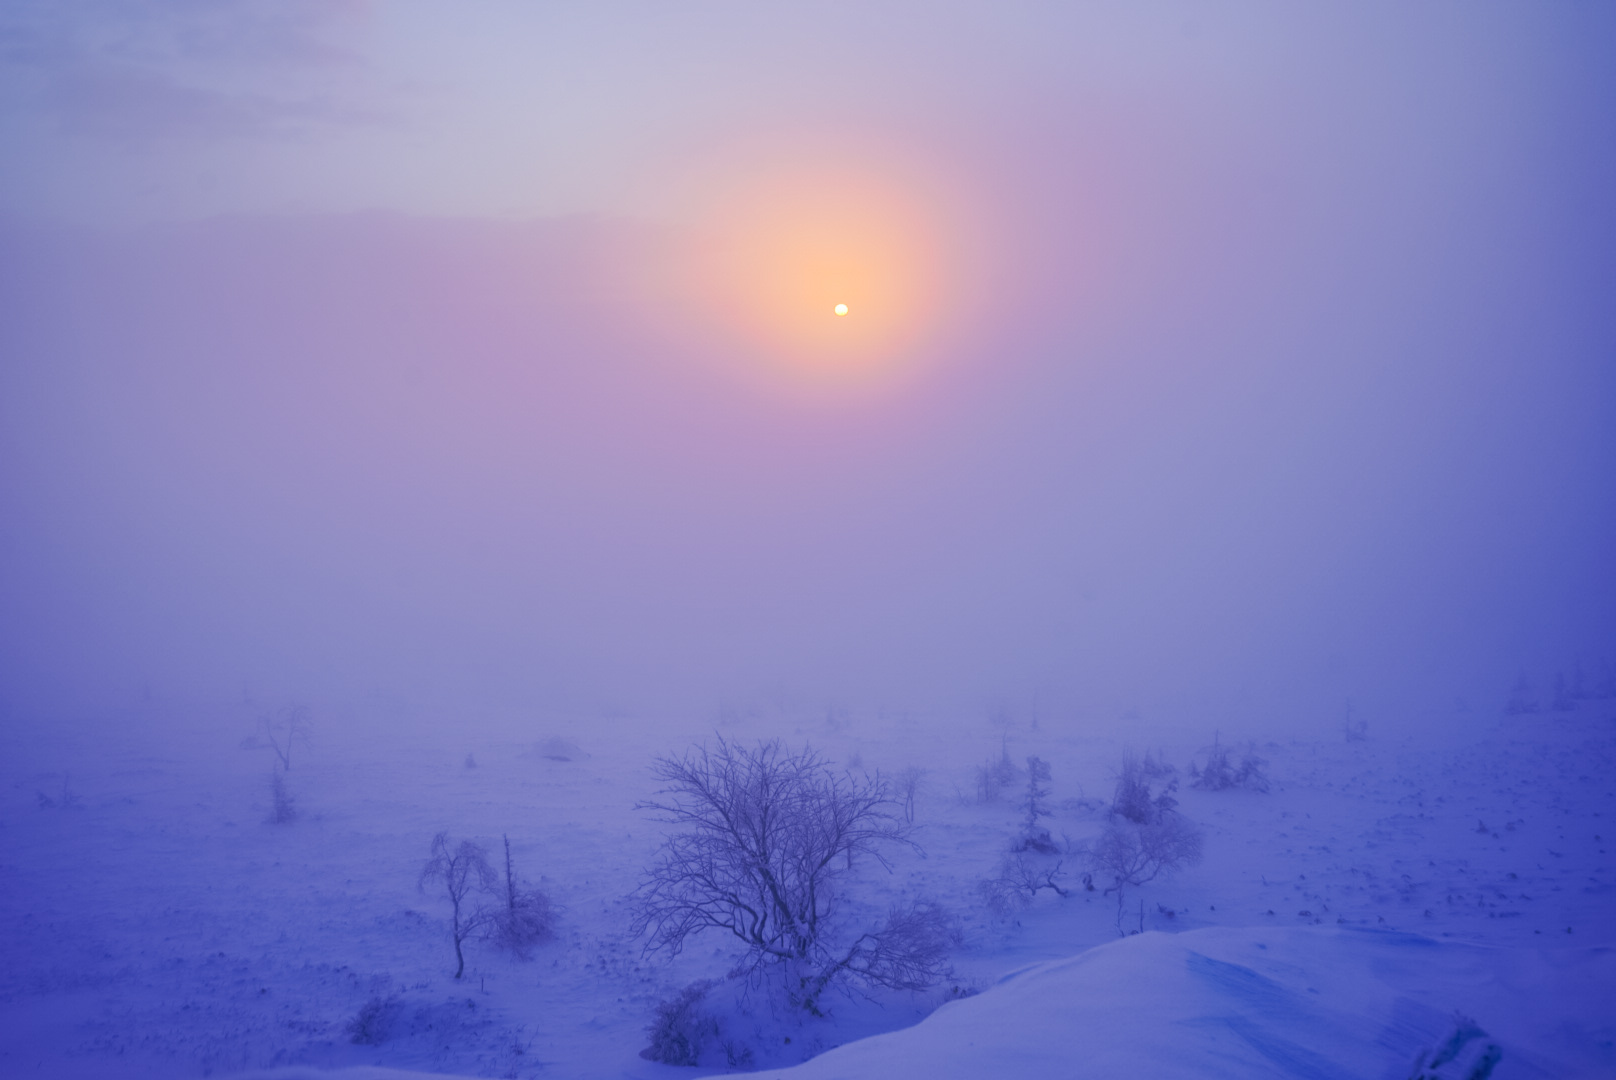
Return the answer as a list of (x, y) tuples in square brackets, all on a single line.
[(374, 1023), (557, 748), (524, 916), (1466, 1054), (1018, 881), (1604, 687), (1035, 805), (996, 777), (1144, 789), (1220, 772), (282, 807), (737, 1055), (763, 837), (1565, 698), (461, 870), (1522, 698), (683, 1027), (67, 800)]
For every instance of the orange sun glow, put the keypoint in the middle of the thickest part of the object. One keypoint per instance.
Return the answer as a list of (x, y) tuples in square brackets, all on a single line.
[(783, 250)]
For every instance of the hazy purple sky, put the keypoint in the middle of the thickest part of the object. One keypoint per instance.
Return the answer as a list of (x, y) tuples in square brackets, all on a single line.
[(1222, 360)]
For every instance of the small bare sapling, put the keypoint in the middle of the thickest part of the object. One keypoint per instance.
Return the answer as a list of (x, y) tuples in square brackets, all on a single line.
[(524, 917), (908, 787), (461, 869), (290, 725)]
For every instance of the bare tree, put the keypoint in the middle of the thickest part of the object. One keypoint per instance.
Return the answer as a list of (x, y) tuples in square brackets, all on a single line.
[(1132, 854), (763, 836), (462, 870), (290, 725)]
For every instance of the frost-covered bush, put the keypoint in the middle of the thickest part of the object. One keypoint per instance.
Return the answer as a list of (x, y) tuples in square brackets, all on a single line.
[(1221, 771), (67, 800), (558, 748), (763, 838), (374, 1023), (1144, 789), (524, 916), (1132, 854), (1019, 879), (1466, 1054), (683, 1027), (1035, 805), (1523, 699), (996, 777), (1565, 695), (1146, 835)]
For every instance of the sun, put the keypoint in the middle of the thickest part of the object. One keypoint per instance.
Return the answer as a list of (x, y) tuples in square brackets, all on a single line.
[(841, 309)]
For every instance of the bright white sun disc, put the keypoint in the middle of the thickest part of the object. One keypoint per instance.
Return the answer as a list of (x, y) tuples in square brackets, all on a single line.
[(841, 309)]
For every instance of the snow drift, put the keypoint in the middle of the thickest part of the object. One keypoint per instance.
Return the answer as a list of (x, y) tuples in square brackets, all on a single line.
[(1249, 1002)]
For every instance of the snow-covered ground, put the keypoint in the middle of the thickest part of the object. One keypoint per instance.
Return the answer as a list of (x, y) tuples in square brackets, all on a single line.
[(155, 924)]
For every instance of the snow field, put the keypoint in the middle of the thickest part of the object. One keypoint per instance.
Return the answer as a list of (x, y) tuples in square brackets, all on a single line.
[(158, 926)]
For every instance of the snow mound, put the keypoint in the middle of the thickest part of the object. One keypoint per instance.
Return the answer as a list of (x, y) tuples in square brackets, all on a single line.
[(1252, 1002), (1223, 1002)]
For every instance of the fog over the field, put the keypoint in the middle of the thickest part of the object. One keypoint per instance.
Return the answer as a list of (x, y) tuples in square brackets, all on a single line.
[(1264, 362)]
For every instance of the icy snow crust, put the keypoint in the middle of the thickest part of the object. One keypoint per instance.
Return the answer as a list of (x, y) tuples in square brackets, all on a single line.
[(1306, 1003), (153, 923)]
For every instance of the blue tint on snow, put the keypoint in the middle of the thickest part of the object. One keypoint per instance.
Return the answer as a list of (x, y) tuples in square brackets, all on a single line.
[(1279, 1008)]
